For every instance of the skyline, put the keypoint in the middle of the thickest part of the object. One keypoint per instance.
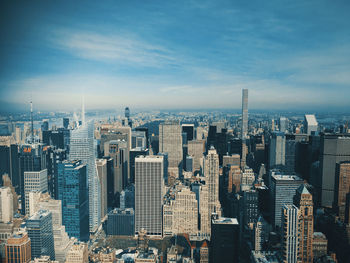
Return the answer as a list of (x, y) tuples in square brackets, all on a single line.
[(159, 55)]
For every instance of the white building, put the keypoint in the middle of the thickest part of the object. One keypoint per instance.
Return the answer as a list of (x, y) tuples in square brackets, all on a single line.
[(149, 191), (78, 253), (34, 182), (290, 224), (6, 205), (310, 124)]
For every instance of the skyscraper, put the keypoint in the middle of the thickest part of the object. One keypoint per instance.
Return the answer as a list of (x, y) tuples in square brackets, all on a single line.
[(303, 200), (6, 205), (277, 150), (283, 189), (310, 124), (341, 187), (82, 148), (149, 188), (244, 113), (290, 224), (170, 141), (72, 190), (34, 182), (39, 227), (102, 174), (283, 124)]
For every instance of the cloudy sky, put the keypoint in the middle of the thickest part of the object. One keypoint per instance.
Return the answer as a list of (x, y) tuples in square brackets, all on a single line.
[(175, 54)]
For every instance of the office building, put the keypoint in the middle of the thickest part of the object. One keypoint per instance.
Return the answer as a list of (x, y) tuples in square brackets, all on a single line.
[(65, 123), (224, 243), (72, 190), (180, 211), (101, 165), (250, 207), (196, 149), (233, 159), (277, 150), (170, 141), (334, 149), (283, 124), (290, 232), (138, 140), (121, 222), (189, 130), (244, 132), (35, 181), (40, 232), (319, 245), (149, 191), (341, 187), (303, 200), (78, 253), (283, 189), (82, 148), (9, 161), (234, 179), (127, 197), (18, 248), (6, 205), (310, 124)]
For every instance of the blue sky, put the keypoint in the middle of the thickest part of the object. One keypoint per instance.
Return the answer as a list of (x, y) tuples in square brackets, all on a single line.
[(175, 54)]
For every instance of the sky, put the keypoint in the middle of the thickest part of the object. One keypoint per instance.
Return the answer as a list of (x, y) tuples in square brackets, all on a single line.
[(191, 54)]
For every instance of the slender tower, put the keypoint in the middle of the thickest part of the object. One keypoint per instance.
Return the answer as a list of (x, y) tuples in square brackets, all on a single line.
[(244, 114), (31, 120)]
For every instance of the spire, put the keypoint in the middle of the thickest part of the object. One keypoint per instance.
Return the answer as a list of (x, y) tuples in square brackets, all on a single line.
[(83, 112)]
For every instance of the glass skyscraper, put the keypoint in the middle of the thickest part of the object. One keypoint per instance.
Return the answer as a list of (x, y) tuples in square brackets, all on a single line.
[(82, 148), (72, 190), (39, 227)]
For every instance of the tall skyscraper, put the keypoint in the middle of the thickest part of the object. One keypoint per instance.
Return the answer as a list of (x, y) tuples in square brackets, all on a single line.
[(170, 141), (290, 224), (277, 150), (303, 200), (334, 149), (9, 160), (34, 182), (283, 188), (39, 227), (82, 148), (6, 205), (341, 187), (102, 174), (73, 191), (18, 248), (244, 114), (149, 191), (283, 124)]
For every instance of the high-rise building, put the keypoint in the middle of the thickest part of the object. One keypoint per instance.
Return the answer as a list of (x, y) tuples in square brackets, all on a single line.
[(277, 150), (9, 161), (65, 123), (250, 207), (196, 148), (149, 191), (283, 124), (39, 227), (283, 188), (18, 248), (244, 114), (6, 205), (34, 182), (290, 224), (102, 174), (170, 141), (189, 130), (224, 243), (334, 149), (82, 148), (310, 124), (73, 191), (303, 200), (341, 187), (319, 245), (180, 211)]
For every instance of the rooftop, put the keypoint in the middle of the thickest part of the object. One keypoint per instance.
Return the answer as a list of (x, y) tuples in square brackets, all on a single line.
[(225, 220)]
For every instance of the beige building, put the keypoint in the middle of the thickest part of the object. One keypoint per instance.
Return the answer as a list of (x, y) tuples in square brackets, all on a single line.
[(196, 148), (319, 245), (43, 259), (6, 205), (18, 248), (180, 212), (170, 141), (101, 165), (78, 253)]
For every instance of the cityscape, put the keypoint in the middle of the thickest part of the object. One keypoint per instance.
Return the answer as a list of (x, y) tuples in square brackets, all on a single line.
[(160, 132)]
